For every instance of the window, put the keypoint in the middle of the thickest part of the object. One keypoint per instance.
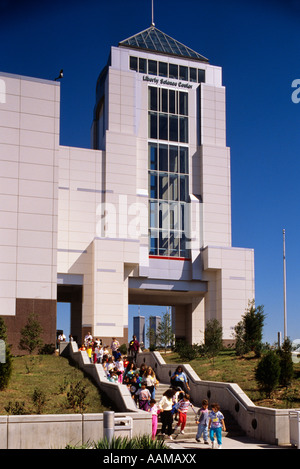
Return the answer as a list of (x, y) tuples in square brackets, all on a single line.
[(173, 71), (142, 65), (193, 74), (163, 69), (168, 114), (168, 158), (183, 73), (152, 67), (133, 63)]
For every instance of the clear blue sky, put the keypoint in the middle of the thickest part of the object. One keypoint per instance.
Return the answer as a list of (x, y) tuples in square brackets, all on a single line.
[(257, 45)]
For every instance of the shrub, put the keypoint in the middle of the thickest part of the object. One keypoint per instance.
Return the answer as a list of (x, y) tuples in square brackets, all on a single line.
[(30, 334), (16, 408), (267, 372), (39, 400)]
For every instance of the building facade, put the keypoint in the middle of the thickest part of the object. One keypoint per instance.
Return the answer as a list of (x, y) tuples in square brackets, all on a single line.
[(143, 217)]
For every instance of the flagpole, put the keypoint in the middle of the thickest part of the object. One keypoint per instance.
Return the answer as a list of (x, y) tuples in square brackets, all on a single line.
[(284, 287)]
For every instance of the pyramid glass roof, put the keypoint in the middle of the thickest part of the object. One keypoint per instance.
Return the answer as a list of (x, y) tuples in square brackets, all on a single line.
[(154, 40)]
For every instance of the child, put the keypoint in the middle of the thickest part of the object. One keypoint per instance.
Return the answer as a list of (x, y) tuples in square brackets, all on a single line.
[(154, 411), (99, 354), (176, 398), (144, 397), (182, 409), (202, 421), (113, 377), (133, 387), (215, 425), (120, 369), (90, 352)]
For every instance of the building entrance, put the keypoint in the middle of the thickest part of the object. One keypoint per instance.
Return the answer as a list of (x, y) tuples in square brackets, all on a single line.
[(72, 294)]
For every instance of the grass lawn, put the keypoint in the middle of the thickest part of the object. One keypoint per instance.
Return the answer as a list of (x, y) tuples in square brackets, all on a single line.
[(53, 375), (227, 367)]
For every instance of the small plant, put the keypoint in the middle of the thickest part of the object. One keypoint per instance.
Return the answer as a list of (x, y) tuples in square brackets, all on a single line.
[(124, 443), (39, 400), (76, 396), (31, 334), (15, 408)]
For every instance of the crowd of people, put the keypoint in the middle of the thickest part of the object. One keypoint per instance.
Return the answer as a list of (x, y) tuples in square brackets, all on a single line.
[(142, 384)]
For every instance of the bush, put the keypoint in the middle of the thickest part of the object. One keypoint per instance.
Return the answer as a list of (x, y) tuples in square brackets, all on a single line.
[(267, 372), (286, 363)]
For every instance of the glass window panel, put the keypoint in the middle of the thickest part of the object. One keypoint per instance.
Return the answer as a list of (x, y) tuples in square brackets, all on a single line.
[(163, 186), (183, 246), (153, 214), (184, 216), (142, 65), (173, 71), (152, 67), (164, 100), (174, 244), (201, 76), (163, 158), (152, 98), (183, 188), (183, 73), (173, 192), (164, 215), (153, 185), (173, 128), (193, 74), (163, 126), (153, 156), (163, 69), (184, 160), (153, 125), (173, 159), (172, 102), (174, 216), (153, 242), (163, 243), (183, 128), (183, 103), (133, 63)]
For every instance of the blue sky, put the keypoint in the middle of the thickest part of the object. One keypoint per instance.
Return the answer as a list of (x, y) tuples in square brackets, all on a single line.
[(257, 45)]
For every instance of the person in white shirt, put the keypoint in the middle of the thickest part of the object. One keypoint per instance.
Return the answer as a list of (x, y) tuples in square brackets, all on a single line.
[(165, 405)]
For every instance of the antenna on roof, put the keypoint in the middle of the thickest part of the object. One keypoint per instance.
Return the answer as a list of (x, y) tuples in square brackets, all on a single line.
[(152, 22)]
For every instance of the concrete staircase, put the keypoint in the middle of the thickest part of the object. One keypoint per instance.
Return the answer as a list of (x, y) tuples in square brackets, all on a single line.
[(190, 431)]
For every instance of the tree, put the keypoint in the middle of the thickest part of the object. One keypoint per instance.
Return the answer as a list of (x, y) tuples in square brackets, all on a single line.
[(31, 334), (286, 363), (248, 332), (267, 372), (6, 364), (165, 335), (213, 338)]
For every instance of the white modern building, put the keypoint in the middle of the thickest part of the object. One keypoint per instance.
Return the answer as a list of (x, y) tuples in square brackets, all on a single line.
[(143, 217)]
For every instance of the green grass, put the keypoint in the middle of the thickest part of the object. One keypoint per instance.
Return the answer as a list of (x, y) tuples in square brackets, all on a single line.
[(227, 367), (52, 375)]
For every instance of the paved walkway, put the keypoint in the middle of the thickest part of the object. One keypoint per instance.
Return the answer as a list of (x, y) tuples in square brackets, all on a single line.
[(241, 442)]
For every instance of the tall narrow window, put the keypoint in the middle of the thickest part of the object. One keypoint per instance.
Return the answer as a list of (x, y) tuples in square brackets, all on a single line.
[(168, 157)]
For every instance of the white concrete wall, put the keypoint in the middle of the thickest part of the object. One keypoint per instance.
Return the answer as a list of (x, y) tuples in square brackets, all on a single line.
[(29, 138)]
